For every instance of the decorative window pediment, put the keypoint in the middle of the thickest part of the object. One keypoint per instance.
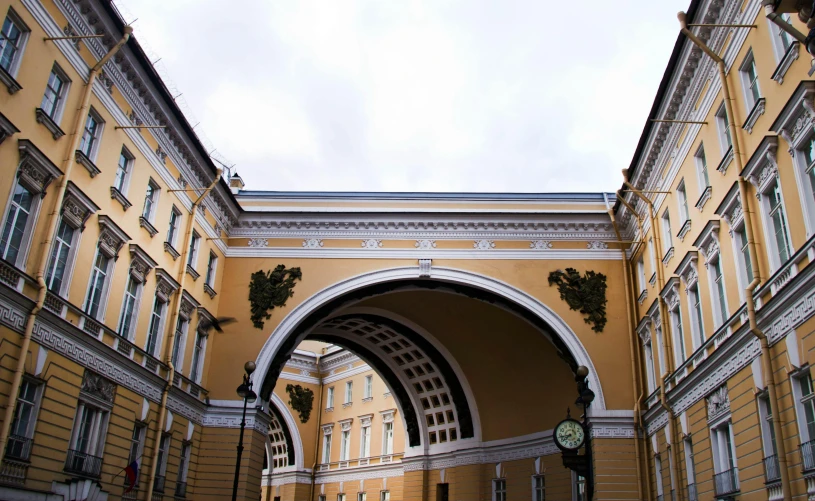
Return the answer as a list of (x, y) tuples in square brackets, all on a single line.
[(165, 285), (77, 207), (387, 416), (718, 404), (188, 305), (797, 119), (670, 293), (140, 263), (205, 319), (345, 424), (644, 330), (36, 171), (366, 420), (762, 167), (7, 129), (327, 428), (708, 241), (111, 237), (687, 269), (98, 389), (730, 209)]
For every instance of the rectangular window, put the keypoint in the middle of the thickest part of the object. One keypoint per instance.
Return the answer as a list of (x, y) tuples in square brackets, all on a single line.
[(180, 338), (56, 275), (123, 169), (136, 449), (326, 448), (579, 487), (25, 418), (94, 304), (369, 386), (340, 497), (724, 454), (666, 233), (154, 329), (349, 388), (746, 264), (17, 225), (161, 461), (679, 336), (749, 80), (329, 399), (193, 254), (499, 489), (538, 488), (724, 129), (780, 228), (690, 471), (781, 39), (345, 445), (87, 440), (682, 196), (385, 496), (362, 496), (387, 442), (658, 475), (12, 42), (641, 274), (172, 231), (150, 201), (91, 135), (653, 258), (184, 464), (212, 265), (442, 492), (701, 168), (130, 307), (56, 89), (365, 442), (198, 357), (649, 366), (718, 289), (698, 323), (807, 405), (767, 431)]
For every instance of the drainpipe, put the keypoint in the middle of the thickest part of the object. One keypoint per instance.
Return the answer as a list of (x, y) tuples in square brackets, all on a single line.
[(766, 360), (666, 338), (317, 440), (45, 245), (170, 346), (769, 10), (632, 344)]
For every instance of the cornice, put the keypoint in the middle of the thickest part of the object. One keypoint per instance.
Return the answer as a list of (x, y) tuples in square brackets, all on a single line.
[(413, 253)]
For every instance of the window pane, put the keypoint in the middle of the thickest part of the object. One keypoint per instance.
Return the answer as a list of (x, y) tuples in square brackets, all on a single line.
[(16, 220), (10, 38)]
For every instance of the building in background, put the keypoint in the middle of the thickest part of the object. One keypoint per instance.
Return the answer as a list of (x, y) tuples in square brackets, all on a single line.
[(436, 333)]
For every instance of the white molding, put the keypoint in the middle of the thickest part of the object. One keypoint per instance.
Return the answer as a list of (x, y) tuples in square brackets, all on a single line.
[(294, 430), (360, 473), (413, 253), (300, 378), (228, 414), (346, 374)]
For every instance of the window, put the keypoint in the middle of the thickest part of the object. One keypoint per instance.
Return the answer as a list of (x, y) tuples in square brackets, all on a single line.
[(130, 307), (198, 357), (724, 453), (58, 263), (767, 431), (679, 336), (154, 329), (538, 488), (653, 257), (12, 41), (385, 496), (717, 285), (387, 442), (698, 325), (666, 232), (193, 255), (365, 441), (161, 461), (136, 448), (749, 80), (701, 167), (724, 129), (369, 386), (329, 399), (499, 489), (578, 487), (53, 100), (362, 496), (89, 144), (180, 338), (17, 226), (97, 290), (183, 468), (345, 445), (150, 201), (806, 407), (123, 169), (690, 471), (349, 387), (320, 498), (745, 265), (775, 209), (781, 39), (87, 439), (442, 492), (327, 446), (25, 417), (682, 198), (340, 497), (649, 366), (641, 274), (658, 475), (211, 266)]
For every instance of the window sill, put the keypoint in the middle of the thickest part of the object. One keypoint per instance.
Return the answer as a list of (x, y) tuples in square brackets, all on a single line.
[(169, 249), (7, 129), (329, 409), (367, 399), (789, 57), (194, 274), (704, 198), (210, 291), (653, 279), (117, 195), (725, 163), (668, 256), (12, 84), (144, 223), (86, 162), (49, 123), (683, 232), (752, 117), (643, 296), (347, 405)]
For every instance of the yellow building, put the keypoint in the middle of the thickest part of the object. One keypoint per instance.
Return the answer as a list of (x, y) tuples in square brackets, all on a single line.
[(408, 346)]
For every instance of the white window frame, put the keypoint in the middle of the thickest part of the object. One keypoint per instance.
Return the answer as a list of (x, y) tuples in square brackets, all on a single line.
[(172, 229), (802, 403), (697, 316), (130, 160), (59, 107), (326, 452), (667, 237), (702, 167), (134, 314), (181, 330), (159, 335), (149, 213), (384, 495), (136, 447), (349, 391), (345, 445), (387, 438), (184, 461), (781, 40), (365, 441), (31, 425), (212, 268), (765, 423), (199, 352), (97, 136), (658, 475), (105, 293), (653, 258), (25, 33), (678, 331), (650, 367), (70, 259), (499, 489), (369, 386), (716, 281), (773, 252), (690, 468), (163, 454), (578, 487), (362, 496), (805, 177), (742, 253), (28, 230), (725, 139), (641, 274), (719, 442), (539, 491), (682, 203), (747, 84), (99, 432), (195, 243), (329, 399)]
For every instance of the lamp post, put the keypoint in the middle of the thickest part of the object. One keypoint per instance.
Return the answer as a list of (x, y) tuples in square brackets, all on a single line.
[(585, 398), (248, 396)]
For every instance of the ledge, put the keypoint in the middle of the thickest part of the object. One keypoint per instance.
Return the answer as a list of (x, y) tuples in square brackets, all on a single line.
[(12, 84), (668, 256), (144, 223), (683, 231), (49, 123), (86, 162), (347, 405), (791, 55), (117, 195), (752, 117), (7, 129), (653, 279), (169, 249), (700, 204), (210, 291), (367, 399), (725, 163), (194, 274), (643, 296)]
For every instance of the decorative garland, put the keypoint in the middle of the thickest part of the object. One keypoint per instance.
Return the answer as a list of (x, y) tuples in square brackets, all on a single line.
[(586, 293), (300, 399), (270, 289)]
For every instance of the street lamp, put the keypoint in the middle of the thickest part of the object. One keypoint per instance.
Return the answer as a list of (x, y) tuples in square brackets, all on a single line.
[(248, 396)]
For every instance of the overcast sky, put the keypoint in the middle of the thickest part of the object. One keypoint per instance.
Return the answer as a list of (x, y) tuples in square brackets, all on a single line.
[(425, 95)]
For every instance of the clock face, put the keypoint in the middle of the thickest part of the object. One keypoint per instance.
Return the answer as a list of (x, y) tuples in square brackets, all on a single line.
[(569, 434)]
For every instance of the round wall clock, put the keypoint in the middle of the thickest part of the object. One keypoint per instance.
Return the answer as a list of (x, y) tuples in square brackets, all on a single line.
[(569, 435)]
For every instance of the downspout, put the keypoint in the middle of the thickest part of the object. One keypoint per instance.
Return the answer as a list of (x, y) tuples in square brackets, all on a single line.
[(666, 339), (170, 345), (634, 366), (766, 360), (45, 245), (317, 439), (769, 10)]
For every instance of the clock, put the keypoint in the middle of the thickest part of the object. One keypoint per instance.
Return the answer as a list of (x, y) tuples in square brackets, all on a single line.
[(569, 435)]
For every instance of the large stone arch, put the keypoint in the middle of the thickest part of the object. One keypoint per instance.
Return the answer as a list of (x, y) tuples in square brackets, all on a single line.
[(280, 413)]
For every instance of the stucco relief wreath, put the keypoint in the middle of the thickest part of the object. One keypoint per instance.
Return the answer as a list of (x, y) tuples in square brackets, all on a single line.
[(586, 293), (268, 290)]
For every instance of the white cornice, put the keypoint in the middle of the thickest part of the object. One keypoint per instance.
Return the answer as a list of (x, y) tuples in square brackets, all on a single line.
[(385, 253), (346, 374)]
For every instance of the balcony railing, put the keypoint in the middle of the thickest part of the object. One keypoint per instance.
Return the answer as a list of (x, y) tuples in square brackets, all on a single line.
[(181, 489), (18, 448), (692, 492), (83, 463), (726, 482), (158, 486), (808, 455), (771, 471)]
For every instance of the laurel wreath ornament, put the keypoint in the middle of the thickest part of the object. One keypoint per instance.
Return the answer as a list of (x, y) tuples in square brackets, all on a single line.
[(270, 290), (300, 399), (586, 293)]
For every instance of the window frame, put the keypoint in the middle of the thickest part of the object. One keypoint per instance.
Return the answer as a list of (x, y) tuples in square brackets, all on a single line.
[(368, 387), (499, 489), (72, 248), (678, 332), (802, 402), (326, 452), (718, 291), (768, 444), (345, 445), (137, 439), (58, 110), (172, 229), (365, 441), (159, 319), (702, 170), (330, 398), (697, 316), (152, 195), (349, 392), (650, 365), (134, 312), (25, 33), (181, 330), (723, 129), (690, 467), (33, 416), (387, 438), (130, 160), (682, 203), (212, 269), (773, 252), (776, 35), (28, 228), (99, 432), (199, 353), (96, 138), (104, 294), (750, 85), (195, 243), (667, 236), (539, 491), (721, 437)]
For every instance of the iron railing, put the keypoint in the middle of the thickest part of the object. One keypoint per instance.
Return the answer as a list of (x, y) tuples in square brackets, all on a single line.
[(692, 492), (772, 473), (181, 489), (83, 463), (18, 448), (808, 455), (727, 482), (158, 485)]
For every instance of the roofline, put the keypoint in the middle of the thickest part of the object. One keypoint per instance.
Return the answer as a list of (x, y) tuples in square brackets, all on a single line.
[(430, 196)]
